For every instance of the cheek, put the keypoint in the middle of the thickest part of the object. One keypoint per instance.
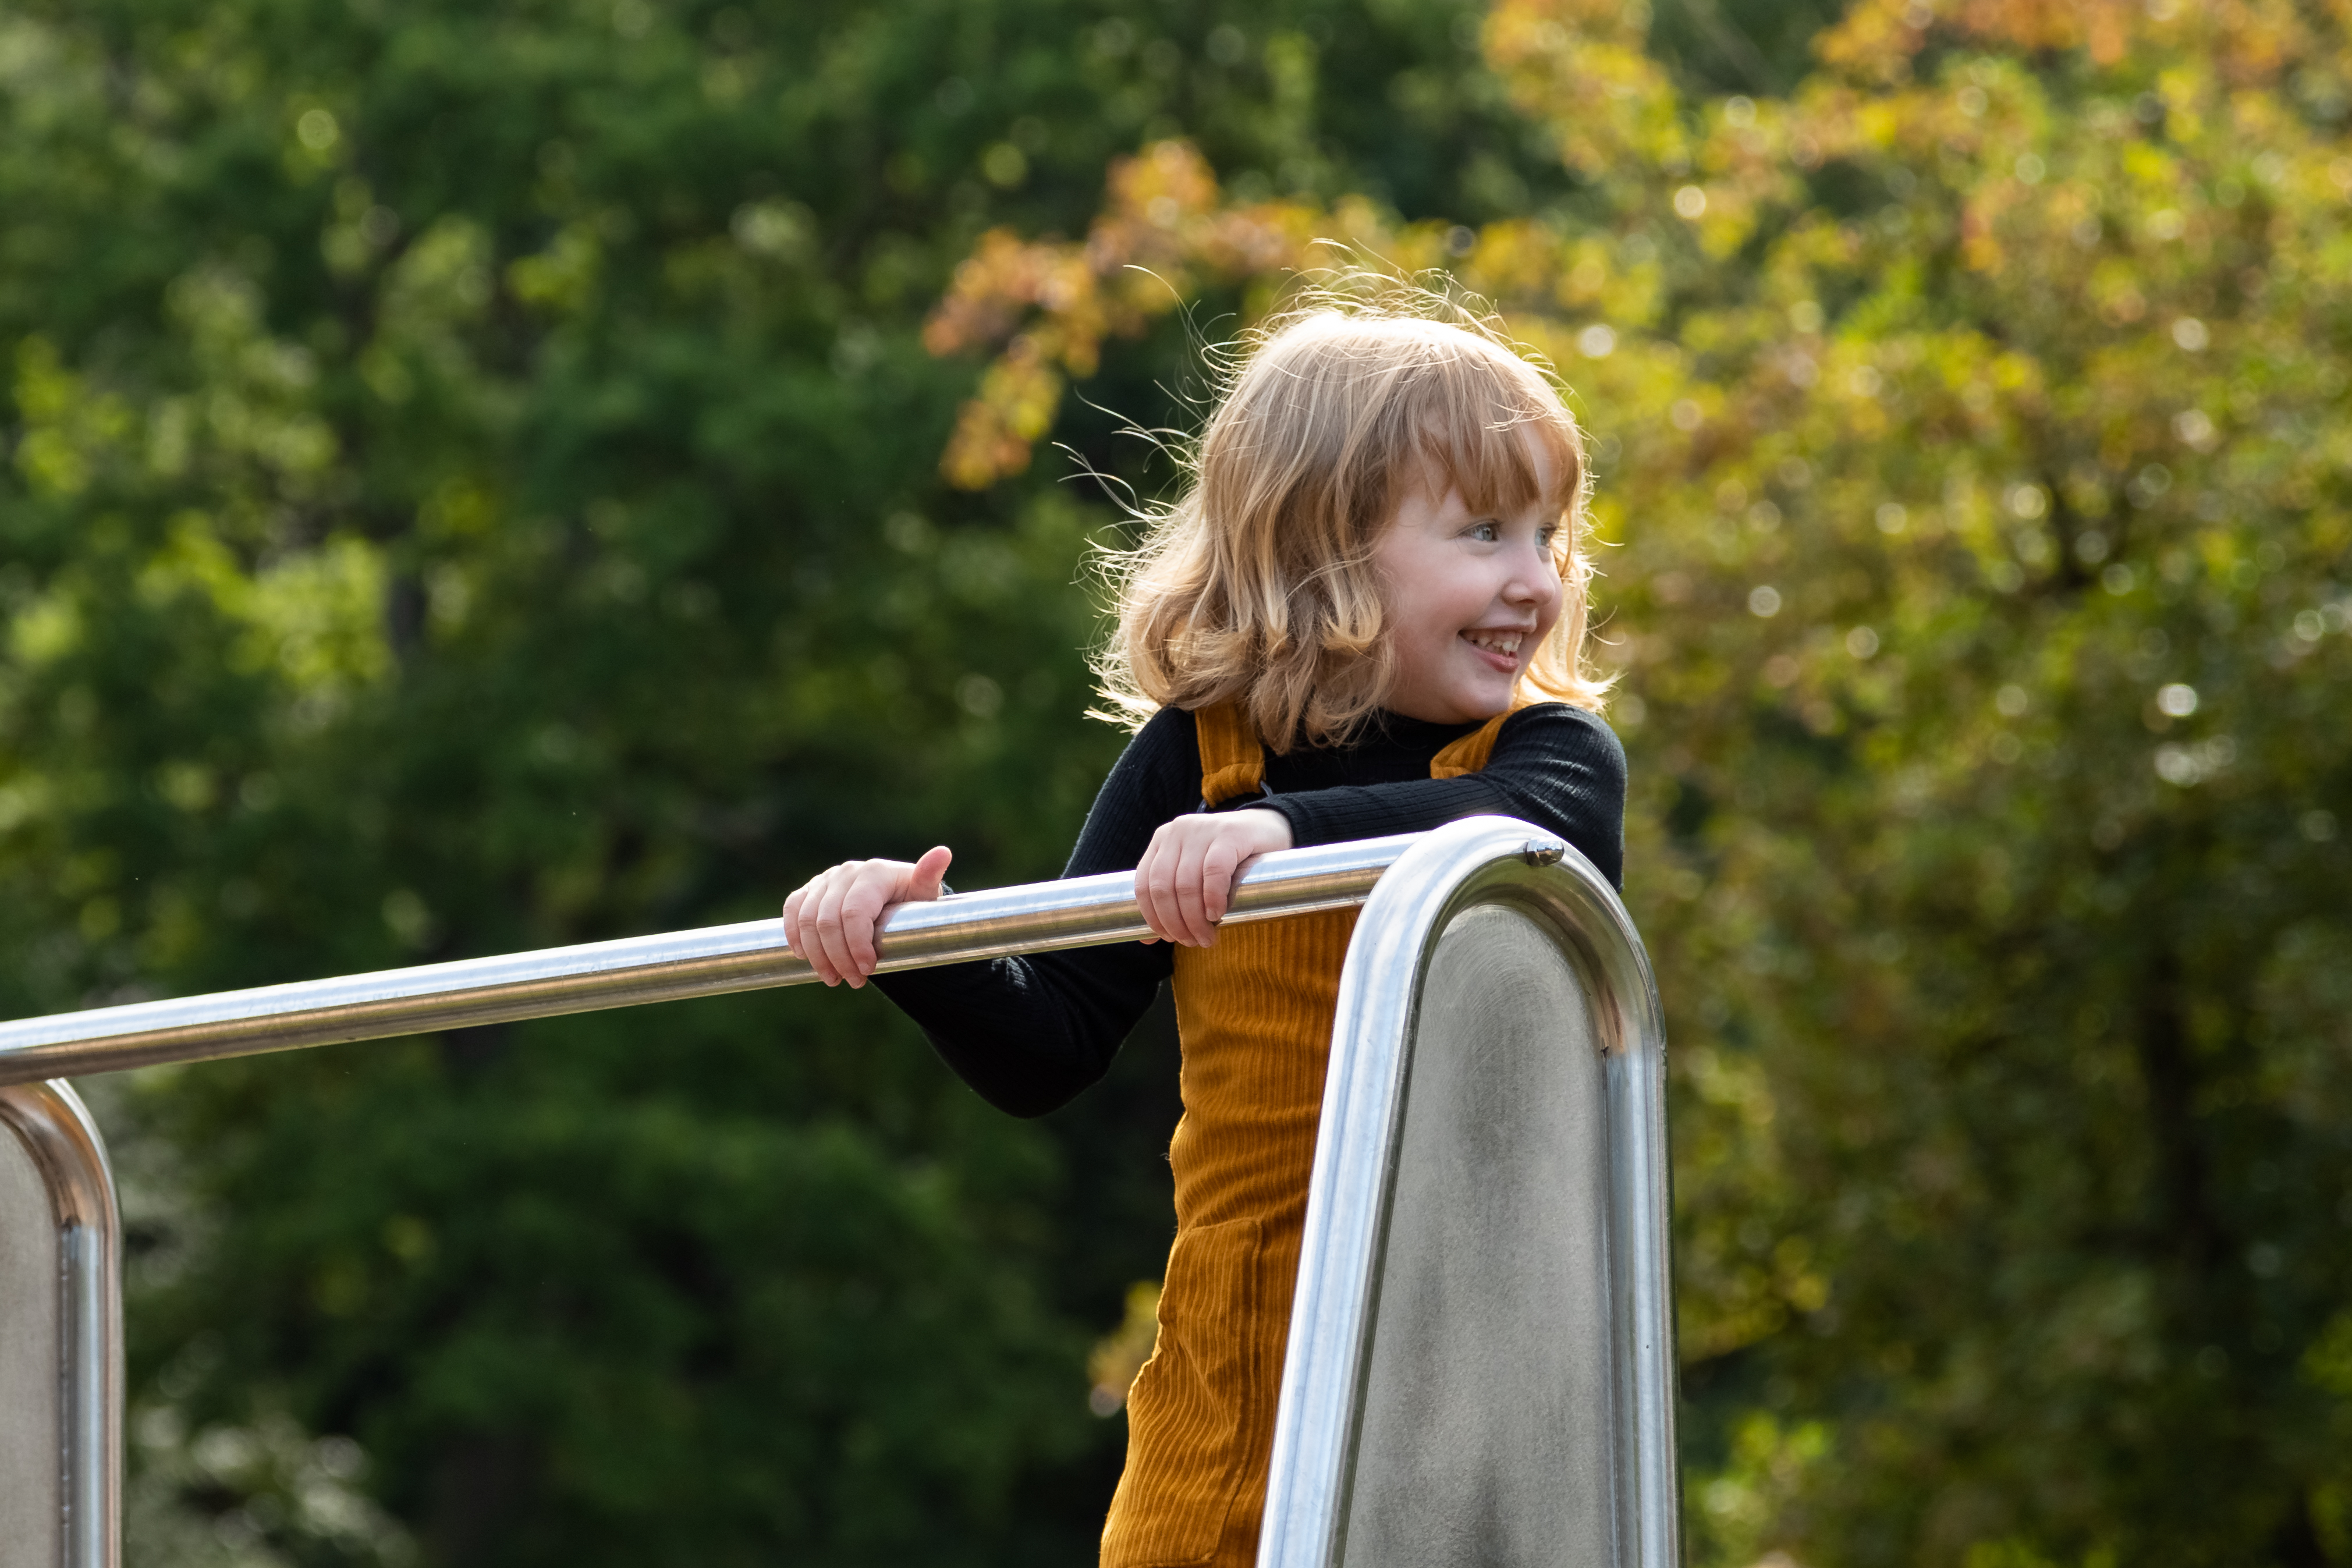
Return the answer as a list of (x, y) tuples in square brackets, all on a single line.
[(1410, 613), (1432, 622)]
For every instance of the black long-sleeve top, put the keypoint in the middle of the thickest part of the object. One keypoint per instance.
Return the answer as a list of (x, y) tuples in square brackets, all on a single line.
[(1029, 1033)]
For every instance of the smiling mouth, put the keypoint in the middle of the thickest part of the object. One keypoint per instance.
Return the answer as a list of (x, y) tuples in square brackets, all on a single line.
[(1502, 647)]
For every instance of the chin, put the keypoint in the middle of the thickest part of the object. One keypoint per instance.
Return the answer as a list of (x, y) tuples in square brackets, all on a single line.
[(1475, 709)]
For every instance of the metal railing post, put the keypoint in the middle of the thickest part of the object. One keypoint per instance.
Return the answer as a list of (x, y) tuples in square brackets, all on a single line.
[(60, 1336), (1480, 1363)]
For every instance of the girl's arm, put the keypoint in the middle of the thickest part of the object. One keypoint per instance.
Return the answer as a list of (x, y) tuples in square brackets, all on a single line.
[(1029, 1033), (1557, 766)]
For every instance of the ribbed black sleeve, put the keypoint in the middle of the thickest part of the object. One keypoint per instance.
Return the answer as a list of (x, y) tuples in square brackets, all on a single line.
[(1028, 1034), (1556, 766)]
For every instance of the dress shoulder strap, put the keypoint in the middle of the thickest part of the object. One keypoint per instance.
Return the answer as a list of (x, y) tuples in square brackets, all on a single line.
[(1233, 762), (1471, 753)]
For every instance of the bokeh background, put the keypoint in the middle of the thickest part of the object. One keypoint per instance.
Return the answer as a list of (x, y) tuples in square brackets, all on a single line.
[(485, 476)]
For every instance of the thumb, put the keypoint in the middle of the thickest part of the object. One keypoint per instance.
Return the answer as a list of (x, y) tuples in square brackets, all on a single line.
[(930, 871)]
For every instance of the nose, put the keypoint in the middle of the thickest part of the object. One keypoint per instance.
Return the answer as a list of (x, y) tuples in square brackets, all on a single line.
[(1533, 580)]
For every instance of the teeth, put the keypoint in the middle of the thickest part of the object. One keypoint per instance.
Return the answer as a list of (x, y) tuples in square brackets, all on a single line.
[(1503, 643)]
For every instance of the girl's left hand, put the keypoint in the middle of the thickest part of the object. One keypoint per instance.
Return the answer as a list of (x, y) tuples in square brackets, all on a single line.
[(831, 918), (1186, 878)]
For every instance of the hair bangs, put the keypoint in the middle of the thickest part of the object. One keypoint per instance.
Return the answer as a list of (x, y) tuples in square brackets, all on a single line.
[(1504, 453)]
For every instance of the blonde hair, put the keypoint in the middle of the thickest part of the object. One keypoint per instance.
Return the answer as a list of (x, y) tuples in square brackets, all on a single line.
[(1257, 586)]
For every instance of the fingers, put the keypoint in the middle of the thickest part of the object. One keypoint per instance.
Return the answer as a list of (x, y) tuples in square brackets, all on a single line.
[(833, 925), (1155, 885), (929, 875), (1191, 909), (1217, 868), (861, 903), (1159, 883), (800, 911), (801, 925), (1184, 883), (829, 953), (867, 894), (833, 921)]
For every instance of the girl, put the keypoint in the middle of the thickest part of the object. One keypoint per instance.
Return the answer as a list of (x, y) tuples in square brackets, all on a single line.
[(1365, 617)]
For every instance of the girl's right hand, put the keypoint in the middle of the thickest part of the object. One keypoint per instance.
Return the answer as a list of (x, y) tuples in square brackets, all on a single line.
[(830, 920)]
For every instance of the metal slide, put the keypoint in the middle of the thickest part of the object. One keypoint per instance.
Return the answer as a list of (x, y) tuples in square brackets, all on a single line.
[(1481, 1362), (1481, 1365)]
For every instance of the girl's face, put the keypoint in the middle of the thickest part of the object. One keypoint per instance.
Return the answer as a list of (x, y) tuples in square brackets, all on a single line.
[(1471, 596)]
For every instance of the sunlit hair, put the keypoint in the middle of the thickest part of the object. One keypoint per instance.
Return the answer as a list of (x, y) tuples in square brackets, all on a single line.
[(1258, 585)]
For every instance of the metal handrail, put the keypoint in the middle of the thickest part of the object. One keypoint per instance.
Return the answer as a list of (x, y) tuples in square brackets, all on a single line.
[(1080, 912)]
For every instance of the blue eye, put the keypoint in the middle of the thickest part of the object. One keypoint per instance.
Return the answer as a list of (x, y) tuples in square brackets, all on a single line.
[(1485, 532)]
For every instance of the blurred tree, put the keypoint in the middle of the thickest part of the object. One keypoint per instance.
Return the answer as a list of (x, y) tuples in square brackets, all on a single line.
[(469, 485), (1973, 501)]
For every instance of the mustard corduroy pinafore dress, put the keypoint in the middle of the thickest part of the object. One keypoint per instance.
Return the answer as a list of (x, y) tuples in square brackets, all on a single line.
[(1255, 1016)]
